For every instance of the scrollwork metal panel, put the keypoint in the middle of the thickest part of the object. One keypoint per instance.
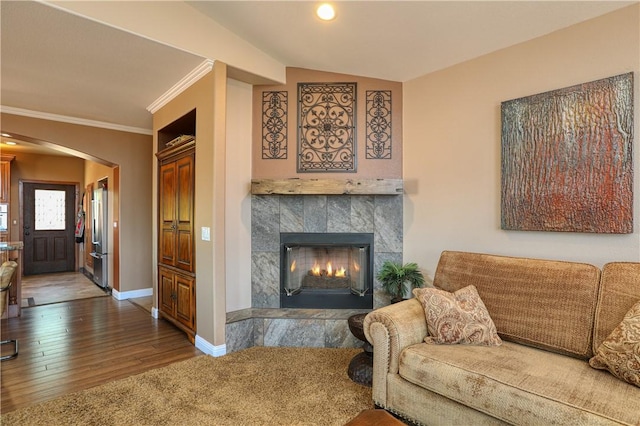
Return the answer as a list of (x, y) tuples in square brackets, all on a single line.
[(378, 124), (327, 127), (274, 125)]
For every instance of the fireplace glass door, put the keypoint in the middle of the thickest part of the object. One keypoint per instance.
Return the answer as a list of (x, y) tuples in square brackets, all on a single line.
[(326, 270)]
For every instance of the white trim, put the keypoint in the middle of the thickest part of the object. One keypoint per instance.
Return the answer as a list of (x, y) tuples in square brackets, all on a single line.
[(132, 294), (195, 75), (210, 349), (155, 313), (73, 120)]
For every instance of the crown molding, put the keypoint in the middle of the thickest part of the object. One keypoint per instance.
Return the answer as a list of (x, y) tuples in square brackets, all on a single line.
[(181, 86), (73, 120)]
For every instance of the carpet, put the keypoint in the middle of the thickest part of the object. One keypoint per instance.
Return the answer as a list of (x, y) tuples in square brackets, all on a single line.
[(256, 386)]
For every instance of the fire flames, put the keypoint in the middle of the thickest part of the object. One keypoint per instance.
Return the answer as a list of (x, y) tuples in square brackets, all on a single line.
[(328, 272)]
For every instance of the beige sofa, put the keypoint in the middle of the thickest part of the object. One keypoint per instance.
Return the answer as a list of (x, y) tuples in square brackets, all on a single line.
[(551, 316)]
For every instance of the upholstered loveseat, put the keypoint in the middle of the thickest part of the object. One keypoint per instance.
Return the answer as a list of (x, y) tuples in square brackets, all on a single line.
[(551, 317)]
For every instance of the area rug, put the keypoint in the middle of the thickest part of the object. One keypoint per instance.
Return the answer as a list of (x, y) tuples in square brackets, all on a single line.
[(256, 386)]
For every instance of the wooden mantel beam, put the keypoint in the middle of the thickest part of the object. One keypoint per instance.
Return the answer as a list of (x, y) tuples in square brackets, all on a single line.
[(326, 186)]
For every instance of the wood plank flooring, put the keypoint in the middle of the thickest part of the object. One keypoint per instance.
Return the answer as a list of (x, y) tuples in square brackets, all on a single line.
[(70, 346), (60, 287)]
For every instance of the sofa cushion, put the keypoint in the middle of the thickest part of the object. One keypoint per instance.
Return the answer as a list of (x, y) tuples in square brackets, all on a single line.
[(565, 295), (620, 352), (457, 318), (520, 384), (619, 290)]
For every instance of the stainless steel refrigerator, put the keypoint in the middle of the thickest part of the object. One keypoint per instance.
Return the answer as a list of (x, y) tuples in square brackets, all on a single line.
[(99, 235)]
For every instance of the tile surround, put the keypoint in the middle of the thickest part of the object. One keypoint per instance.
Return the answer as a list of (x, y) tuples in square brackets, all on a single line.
[(268, 325)]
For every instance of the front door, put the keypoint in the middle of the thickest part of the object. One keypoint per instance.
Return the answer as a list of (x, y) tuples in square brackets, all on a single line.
[(48, 228)]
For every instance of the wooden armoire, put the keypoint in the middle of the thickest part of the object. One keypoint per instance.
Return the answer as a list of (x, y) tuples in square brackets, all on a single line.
[(176, 245)]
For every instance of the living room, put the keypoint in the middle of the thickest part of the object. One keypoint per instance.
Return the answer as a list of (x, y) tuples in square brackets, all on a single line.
[(450, 160)]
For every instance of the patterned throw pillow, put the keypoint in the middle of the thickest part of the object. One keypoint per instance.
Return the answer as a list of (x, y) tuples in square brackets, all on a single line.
[(457, 318), (620, 352)]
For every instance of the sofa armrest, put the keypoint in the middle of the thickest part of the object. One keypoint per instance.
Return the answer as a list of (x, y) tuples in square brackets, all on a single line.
[(391, 329)]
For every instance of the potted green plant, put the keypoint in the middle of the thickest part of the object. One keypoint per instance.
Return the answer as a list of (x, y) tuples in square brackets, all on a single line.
[(399, 280)]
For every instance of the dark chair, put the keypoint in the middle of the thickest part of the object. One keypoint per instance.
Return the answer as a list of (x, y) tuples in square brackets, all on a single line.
[(7, 275)]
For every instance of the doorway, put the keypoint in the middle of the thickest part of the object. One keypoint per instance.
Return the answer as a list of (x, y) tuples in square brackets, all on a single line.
[(48, 215)]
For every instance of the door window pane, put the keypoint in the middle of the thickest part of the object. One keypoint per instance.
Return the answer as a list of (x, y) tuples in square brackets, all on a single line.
[(49, 210)]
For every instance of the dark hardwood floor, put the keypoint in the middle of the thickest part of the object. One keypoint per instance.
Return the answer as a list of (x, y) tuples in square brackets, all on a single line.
[(70, 346)]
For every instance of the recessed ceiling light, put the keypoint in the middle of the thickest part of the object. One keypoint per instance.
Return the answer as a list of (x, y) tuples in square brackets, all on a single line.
[(10, 143), (326, 12), (6, 135)]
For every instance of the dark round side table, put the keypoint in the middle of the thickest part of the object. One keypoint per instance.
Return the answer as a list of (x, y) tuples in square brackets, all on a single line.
[(361, 366)]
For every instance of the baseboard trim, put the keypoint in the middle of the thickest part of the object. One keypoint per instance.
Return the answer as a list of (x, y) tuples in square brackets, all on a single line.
[(132, 294), (155, 313), (210, 349)]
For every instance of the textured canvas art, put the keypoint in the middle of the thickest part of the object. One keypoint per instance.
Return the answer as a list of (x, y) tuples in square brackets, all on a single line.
[(326, 127), (567, 159)]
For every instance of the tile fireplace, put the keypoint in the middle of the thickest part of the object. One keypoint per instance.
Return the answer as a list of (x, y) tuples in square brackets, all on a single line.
[(268, 322)]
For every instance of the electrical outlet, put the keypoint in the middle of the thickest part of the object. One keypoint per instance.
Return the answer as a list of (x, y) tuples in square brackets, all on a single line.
[(206, 233)]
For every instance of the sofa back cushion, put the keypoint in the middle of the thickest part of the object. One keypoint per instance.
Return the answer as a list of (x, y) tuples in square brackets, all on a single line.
[(542, 303), (619, 291)]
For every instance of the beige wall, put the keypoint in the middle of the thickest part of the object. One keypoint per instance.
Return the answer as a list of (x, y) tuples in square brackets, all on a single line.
[(452, 143), (133, 153), (366, 168), (208, 97), (238, 213), (36, 167)]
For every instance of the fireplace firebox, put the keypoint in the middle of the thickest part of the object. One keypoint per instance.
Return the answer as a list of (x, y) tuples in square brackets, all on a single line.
[(326, 270)]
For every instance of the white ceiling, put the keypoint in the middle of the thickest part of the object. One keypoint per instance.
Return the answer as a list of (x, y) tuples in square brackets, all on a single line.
[(60, 63), (394, 40)]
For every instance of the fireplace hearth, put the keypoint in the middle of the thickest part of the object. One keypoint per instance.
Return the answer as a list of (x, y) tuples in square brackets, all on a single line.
[(326, 270)]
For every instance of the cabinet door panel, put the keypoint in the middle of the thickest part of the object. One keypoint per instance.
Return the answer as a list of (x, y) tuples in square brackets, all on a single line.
[(185, 304), (184, 213), (167, 247), (166, 299), (185, 175), (167, 214), (185, 253)]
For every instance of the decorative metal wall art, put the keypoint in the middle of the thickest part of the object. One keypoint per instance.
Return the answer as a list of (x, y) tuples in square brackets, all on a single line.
[(567, 159), (378, 124), (326, 127), (274, 125)]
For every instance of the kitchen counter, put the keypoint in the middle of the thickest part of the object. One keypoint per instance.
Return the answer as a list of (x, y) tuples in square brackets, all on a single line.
[(11, 245)]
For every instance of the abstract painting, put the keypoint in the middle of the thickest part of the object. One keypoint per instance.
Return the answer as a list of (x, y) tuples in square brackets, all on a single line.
[(567, 159)]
